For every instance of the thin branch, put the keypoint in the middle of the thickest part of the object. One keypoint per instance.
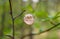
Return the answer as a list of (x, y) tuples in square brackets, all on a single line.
[(52, 20), (20, 14), (10, 8), (50, 28), (56, 17), (52, 23), (57, 14), (43, 31), (30, 32), (12, 17)]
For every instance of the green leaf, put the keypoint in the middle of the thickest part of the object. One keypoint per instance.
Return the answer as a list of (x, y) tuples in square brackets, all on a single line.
[(7, 31), (36, 24)]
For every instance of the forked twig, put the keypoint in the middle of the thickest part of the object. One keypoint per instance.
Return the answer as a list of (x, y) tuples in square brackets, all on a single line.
[(11, 13)]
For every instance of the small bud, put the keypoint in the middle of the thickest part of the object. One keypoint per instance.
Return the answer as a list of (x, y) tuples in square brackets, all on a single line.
[(28, 19)]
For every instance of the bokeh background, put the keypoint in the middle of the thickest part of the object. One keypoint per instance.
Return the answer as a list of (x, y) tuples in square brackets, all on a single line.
[(44, 12)]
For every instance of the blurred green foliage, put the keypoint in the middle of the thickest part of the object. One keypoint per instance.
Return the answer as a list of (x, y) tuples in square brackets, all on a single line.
[(40, 13)]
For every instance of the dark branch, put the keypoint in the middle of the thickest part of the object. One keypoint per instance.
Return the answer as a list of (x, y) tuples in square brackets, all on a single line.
[(20, 14), (50, 28), (12, 18), (56, 17), (42, 31), (10, 7), (52, 23), (57, 14)]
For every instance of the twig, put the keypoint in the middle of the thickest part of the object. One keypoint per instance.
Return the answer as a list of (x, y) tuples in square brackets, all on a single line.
[(42, 31), (50, 28), (20, 14), (30, 32), (52, 23), (12, 17), (57, 14), (10, 8), (56, 17)]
